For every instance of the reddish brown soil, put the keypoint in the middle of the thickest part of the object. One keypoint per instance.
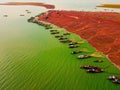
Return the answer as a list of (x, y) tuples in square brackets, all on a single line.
[(100, 29), (48, 6)]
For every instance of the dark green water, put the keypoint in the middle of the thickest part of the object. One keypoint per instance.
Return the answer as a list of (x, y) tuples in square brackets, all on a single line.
[(32, 59)]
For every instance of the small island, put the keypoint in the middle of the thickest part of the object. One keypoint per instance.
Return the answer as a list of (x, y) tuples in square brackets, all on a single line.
[(110, 6)]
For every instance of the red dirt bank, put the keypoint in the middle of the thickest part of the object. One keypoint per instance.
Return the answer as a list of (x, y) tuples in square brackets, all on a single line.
[(47, 6), (100, 29)]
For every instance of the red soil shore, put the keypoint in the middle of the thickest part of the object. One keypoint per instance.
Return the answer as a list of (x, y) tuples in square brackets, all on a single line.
[(100, 29), (47, 6)]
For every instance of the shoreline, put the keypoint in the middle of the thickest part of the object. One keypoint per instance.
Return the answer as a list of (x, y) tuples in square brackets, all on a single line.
[(43, 23), (54, 17), (47, 6)]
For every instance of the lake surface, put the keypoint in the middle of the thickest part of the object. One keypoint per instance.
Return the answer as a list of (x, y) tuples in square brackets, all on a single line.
[(32, 59)]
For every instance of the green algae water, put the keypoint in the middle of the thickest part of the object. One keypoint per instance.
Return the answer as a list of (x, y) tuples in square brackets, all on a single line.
[(33, 59)]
